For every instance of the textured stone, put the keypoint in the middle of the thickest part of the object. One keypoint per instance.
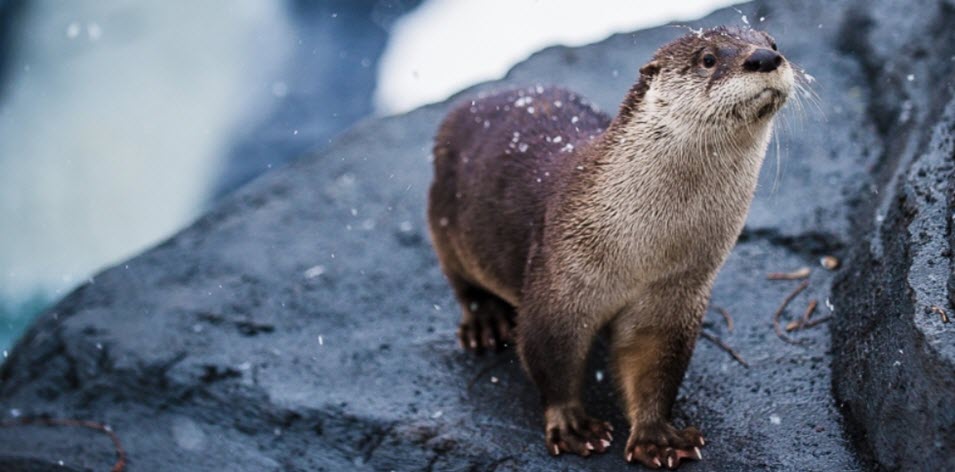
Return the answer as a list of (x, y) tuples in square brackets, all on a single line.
[(303, 324)]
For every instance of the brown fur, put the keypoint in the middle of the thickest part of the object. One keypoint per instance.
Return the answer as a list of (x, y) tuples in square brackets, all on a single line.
[(547, 214)]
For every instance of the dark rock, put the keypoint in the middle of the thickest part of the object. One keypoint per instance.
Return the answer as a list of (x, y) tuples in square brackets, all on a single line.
[(358, 367), (894, 365)]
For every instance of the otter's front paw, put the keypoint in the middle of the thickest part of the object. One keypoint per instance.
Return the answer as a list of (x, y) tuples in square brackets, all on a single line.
[(662, 445), (569, 429)]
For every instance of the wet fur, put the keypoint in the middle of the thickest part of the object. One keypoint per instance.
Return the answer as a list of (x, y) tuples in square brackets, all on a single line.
[(621, 223)]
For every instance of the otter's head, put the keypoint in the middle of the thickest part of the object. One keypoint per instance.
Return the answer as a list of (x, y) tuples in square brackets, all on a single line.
[(716, 81)]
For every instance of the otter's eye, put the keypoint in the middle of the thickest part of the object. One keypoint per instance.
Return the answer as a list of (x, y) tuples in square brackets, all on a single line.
[(709, 60), (774, 46)]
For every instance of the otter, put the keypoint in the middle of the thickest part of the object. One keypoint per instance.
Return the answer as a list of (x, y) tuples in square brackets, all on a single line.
[(552, 222)]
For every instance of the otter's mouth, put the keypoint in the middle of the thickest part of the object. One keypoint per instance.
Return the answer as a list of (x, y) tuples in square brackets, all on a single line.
[(773, 99)]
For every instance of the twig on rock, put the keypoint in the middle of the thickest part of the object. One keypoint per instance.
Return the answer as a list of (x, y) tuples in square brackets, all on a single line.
[(726, 317), (120, 463), (941, 313), (722, 345), (804, 321), (810, 324), (797, 274), (779, 311)]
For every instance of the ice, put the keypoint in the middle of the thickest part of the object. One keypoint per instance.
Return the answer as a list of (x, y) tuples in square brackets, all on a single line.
[(830, 306)]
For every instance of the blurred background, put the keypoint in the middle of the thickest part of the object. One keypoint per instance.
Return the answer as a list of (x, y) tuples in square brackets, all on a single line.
[(122, 120)]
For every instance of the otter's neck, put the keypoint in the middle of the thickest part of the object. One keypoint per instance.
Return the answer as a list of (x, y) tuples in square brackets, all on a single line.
[(648, 167), (655, 149)]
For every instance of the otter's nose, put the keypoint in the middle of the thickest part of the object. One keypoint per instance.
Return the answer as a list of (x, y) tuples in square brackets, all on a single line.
[(763, 60)]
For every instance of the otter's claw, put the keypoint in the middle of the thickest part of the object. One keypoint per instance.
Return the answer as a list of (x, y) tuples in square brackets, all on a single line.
[(570, 429), (658, 445)]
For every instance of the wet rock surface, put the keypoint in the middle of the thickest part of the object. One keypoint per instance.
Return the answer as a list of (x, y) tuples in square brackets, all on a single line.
[(303, 324)]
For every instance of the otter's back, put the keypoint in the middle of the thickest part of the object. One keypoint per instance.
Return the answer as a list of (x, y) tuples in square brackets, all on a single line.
[(496, 160)]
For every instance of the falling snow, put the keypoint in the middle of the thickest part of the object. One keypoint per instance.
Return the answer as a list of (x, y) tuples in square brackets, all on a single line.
[(523, 101), (73, 30), (314, 271)]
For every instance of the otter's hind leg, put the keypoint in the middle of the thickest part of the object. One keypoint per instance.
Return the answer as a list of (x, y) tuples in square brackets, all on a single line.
[(487, 321)]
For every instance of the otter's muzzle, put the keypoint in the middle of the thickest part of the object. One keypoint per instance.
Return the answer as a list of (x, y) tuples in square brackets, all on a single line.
[(763, 60)]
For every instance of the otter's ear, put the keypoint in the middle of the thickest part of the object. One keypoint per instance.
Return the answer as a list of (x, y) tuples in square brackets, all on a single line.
[(650, 69)]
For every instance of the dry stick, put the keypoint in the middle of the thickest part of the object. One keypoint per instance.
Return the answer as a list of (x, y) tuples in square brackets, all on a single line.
[(722, 345), (810, 324), (941, 313), (120, 464), (794, 275), (804, 321), (779, 312), (726, 317)]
